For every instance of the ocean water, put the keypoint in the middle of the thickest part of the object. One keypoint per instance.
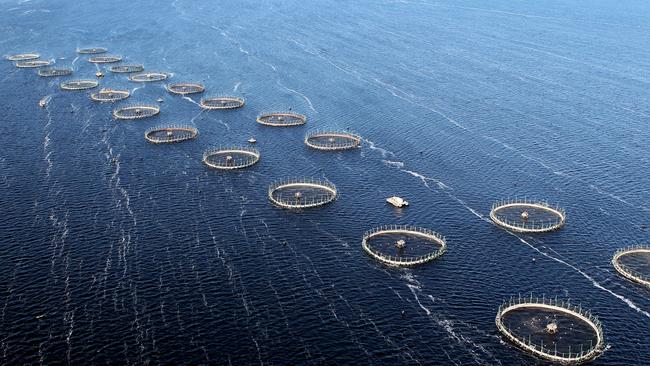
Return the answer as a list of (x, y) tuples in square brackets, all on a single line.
[(156, 259)]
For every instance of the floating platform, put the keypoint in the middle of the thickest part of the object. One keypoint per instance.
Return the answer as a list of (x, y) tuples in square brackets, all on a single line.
[(527, 216), (552, 330), (105, 59), (231, 158), (110, 95), (222, 103), (126, 68), (332, 140), (633, 263), (170, 134), (55, 71), (185, 88), (397, 201), (136, 111), (23, 57), (81, 84), (92, 50), (403, 245), (282, 119), (300, 193), (148, 77), (32, 63)]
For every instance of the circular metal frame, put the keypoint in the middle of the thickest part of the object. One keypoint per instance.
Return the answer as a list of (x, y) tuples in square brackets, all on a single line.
[(185, 88), (282, 119), (32, 63), (92, 50), (136, 111), (335, 140), (309, 183), (526, 226), (54, 71), (185, 133), (252, 156), (627, 272), (148, 77), (110, 95), (556, 306), (80, 84), (23, 57), (124, 69), (105, 59), (222, 102), (431, 236)]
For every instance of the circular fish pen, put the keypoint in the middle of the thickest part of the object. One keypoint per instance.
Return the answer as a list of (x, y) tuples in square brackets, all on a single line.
[(332, 140), (282, 119), (148, 77), (553, 330), (170, 134), (79, 84), (110, 95), (527, 216), (136, 111), (222, 103), (633, 263), (54, 71), (23, 57), (92, 50), (126, 68), (230, 158), (185, 88), (107, 59), (403, 245), (301, 193), (32, 63)]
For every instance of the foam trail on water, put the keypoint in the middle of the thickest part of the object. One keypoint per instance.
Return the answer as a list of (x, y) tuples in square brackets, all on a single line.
[(593, 281), (311, 106), (191, 100), (384, 153)]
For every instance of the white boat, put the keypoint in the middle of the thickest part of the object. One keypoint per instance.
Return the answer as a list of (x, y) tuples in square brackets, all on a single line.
[(252, 140), (397, 201)]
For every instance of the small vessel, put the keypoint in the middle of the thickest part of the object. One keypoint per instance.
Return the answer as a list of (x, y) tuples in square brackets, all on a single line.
[(99, 74), (115, 160), (252, 140), (43, 101), (160, 100), (397, 201)]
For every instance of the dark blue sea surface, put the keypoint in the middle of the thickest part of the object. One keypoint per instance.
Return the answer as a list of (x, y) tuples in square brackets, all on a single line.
[(117, 251)]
